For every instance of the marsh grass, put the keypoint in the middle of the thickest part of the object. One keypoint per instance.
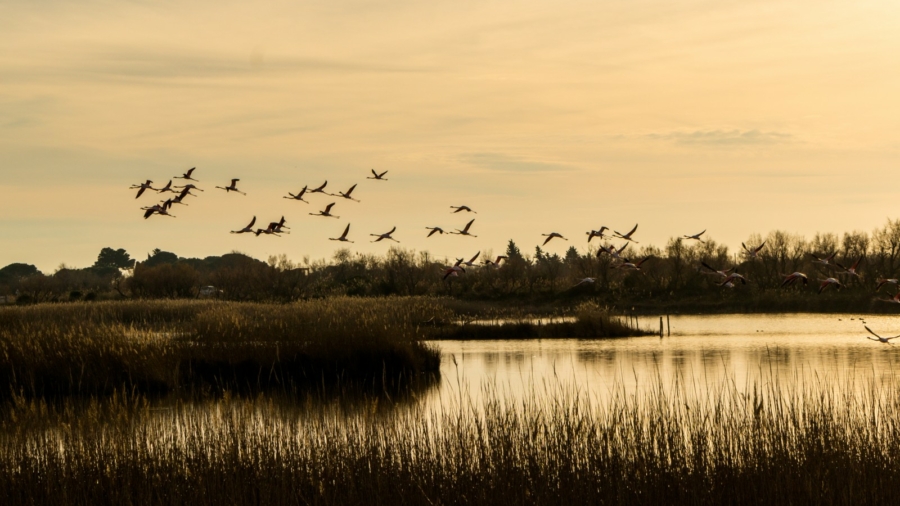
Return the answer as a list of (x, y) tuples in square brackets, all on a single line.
[(587, 320), (160, 346), (820, 442)]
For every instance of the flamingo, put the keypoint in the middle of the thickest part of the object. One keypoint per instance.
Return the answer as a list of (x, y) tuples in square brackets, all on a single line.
[(347, 195), (248, 228), (232, 187), (596, 233), (696, 236), (161, 209), (465, 230), (790, 279), (453, 271), (343, 237), (724, 273), (188, 187), (627, 236), (187, 175), (270, 230), (167, 188), (615, 253), (729, 280), (753, 252), (827, 261), (386, 235), (321, 189), (141, 187), (471, 262), (378, 176), (852, 269), (277, 226), (882, 282), (494, 264), (895, 299), (885, 340), (298, 196), (462, 208), (585, 281), (184, 193), (552, 235), (825, 283), (434, 230), (629, 265), (326, 213)]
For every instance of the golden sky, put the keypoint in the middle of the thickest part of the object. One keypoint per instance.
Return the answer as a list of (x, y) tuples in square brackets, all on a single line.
[(735, 117)]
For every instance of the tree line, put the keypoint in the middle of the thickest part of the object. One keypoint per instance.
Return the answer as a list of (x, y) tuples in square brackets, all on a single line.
[(672, 276)]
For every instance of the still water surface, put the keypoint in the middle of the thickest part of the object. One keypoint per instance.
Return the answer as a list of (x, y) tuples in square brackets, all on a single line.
[(703, 352)]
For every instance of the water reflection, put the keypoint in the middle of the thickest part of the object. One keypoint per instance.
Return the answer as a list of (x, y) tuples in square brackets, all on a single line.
[(703, 351)]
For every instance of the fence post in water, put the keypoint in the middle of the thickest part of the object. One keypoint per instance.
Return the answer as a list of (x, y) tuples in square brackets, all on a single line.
[(660, 328), (668, 326)]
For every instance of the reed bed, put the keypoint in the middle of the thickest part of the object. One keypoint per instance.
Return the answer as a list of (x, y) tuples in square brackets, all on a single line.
[(821, 443), (165, 346)]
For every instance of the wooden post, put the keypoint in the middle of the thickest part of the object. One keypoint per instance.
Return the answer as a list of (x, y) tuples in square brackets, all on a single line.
[(668, 326), (660, 328)]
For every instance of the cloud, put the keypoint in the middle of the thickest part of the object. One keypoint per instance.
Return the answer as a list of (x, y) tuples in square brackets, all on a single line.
[(725, 137), (504, 163)]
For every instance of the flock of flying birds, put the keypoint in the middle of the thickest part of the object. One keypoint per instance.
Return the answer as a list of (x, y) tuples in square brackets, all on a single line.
[(726, 278)]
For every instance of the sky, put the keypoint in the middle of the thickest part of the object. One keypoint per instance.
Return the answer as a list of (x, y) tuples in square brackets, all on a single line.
[(564, 116)]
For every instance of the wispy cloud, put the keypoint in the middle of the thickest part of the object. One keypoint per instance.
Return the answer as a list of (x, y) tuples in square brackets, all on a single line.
[(725, 137), (504, 163)]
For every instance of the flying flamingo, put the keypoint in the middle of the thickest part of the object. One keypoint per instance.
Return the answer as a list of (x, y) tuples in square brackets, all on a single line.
[(696, 236), (627, 236), (232, 187), (347, 195), (629, 265), (321, 189), (895, 299), (270, 230), (882, 282), (188, 187), (612, 251), (462, 208), (596, 233), (471, 262), (829, 282), (585, 281), (298, 196), (184, 193), (248, 228), (885, 340), (167, 188), (790, 279), (453, 271), (386, 235), (161, 209), (827, 261), (141, 187), (494, 264), (723, 274), (378, 176), (326, 212), (465, 230), (552, 235), (753, 252), (852, 269), (277, 226), (187, 175), (343, 237), (729, 280), (434, 230)]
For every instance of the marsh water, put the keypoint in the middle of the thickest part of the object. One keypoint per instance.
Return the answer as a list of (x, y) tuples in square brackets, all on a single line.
[(784, 351)]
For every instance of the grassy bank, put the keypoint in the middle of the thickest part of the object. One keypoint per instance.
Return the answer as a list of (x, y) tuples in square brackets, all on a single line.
[(815, 443), (161, 347)]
